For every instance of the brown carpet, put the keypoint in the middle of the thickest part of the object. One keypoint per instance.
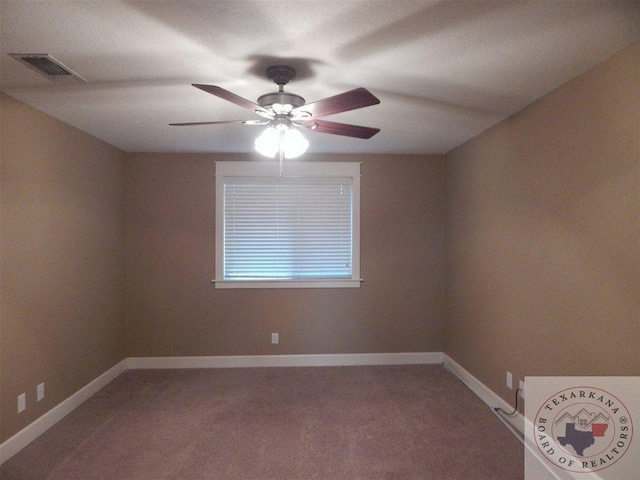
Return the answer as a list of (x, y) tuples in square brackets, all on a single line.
[(382, 422)]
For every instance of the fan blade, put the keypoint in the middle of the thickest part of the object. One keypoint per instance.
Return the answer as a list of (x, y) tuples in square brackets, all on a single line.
[(343, 102), (243, 122), (334, 128), (231, 97)]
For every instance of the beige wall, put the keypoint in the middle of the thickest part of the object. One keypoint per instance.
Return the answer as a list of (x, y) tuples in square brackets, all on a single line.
[(173, 309), (543, 235), (62, 260)]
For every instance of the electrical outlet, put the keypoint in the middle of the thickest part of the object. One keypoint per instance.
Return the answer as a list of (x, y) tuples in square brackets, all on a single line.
[(521, 387), (40, 392), (509, 380), (22, 402), (274, 338)]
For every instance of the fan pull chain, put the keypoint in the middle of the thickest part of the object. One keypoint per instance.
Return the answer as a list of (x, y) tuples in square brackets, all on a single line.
[(281, 151)]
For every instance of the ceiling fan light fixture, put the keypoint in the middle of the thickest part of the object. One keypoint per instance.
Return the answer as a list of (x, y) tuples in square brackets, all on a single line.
[(275, 138), (294, 143), (268, 142)]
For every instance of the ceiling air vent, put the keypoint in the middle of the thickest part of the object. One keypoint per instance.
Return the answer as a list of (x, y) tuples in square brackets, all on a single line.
[(48, 66)]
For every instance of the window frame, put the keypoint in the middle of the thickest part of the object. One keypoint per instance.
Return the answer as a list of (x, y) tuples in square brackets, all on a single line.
[(293, 169)]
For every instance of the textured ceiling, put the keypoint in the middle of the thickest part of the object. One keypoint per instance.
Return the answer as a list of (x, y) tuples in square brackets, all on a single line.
[(443, 70)]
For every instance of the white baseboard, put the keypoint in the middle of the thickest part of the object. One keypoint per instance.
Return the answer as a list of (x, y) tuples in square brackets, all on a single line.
[(24, 437), (329, 360), (32, 431), (515, 422), (535, 466)]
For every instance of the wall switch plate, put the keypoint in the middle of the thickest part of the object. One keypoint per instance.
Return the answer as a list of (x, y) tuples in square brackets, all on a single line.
[(274, 338), (521, 387), (40, 392), (22, 402), (509, 380)]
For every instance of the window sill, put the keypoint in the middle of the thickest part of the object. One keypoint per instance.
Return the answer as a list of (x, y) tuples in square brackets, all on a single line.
[(346, 283)]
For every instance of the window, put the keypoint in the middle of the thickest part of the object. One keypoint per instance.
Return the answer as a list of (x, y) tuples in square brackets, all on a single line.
[(296, 230)]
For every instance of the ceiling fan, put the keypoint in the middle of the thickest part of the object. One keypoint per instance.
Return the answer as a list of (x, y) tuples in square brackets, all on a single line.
[(286, 113)]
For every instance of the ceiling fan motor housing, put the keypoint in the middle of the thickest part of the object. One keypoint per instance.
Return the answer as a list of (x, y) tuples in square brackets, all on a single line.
[(283, 98)]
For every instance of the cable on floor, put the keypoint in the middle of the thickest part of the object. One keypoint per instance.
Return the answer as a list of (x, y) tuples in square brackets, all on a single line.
[(515, 409)]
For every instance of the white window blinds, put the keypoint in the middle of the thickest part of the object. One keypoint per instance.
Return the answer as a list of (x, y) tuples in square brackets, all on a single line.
[(287, 228)]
